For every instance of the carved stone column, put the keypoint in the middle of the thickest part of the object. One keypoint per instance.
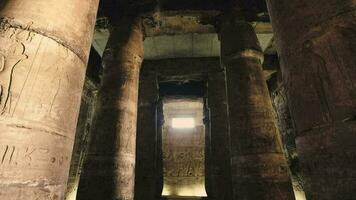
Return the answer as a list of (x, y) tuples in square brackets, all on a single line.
[(82, 137), (43, 55), (317, 46), (147, 139), (109, 171), (220, 168), (259, 169)]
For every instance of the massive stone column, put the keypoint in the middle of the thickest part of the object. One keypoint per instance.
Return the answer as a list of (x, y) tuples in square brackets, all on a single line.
[(81, 138), (219, 161), (317, 46), (44, 47), (147, 141), (259, 169), (82, 135), (109, 169)]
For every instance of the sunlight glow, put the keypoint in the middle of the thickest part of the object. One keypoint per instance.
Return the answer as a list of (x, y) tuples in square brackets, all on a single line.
[(187, 191), (183, 123)]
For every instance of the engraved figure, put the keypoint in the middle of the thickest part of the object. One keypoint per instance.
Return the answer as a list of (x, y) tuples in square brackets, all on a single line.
[(12, 52)]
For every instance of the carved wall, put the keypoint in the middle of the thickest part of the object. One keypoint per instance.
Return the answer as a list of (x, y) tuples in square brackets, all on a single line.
[(183, 150)]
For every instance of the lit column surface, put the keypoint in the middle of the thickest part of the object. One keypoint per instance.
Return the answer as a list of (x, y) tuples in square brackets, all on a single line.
[(43, 55), (259, 169), (109, 169)]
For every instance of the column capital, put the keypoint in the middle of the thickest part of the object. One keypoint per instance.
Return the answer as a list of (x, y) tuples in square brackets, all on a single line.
[(239, 40)]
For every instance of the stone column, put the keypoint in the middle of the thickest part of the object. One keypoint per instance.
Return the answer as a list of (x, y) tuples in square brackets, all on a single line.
[(259, 169), (146, 157), (43, 55), (81, 138), (109, 169), (317, 46), (86, 112), (220, 168)]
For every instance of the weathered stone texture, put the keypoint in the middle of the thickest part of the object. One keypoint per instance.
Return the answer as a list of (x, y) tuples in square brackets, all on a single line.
[(317, 48), (288, 132), (285, 123), (218, 166), (259, 169), (183, 149), (82, 137), (109, 170), (147, 170), (219, 169), (41, 81), (69, 23)]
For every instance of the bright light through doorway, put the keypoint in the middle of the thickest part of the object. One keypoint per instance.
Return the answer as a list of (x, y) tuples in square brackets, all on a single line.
[(183, 123)]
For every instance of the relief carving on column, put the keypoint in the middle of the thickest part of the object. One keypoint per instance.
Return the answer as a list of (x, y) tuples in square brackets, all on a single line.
[(12, 52), (323, 59), (35, 70)]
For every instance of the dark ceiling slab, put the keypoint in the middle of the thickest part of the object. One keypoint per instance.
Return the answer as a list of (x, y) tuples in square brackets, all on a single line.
[(192, 5), (187, 88), (253, 9)]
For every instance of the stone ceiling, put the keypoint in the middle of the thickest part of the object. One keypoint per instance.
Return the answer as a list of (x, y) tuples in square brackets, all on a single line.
[(254, 10), (182, 28), (182, 34), (178, 46)]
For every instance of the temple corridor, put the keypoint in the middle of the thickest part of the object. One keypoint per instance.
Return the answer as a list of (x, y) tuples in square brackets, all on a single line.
[(177, 100)]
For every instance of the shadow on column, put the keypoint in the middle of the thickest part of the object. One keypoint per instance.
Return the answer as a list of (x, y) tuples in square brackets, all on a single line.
[(108, 172)]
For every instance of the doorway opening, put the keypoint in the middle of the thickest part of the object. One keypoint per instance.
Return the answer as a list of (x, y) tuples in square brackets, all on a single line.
[(183, 140)]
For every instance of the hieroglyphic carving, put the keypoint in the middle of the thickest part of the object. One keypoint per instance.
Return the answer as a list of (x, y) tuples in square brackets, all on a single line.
[(183, 154), (193, 168), (12, 52), (30, 156), (183, 158), (28, 60)]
